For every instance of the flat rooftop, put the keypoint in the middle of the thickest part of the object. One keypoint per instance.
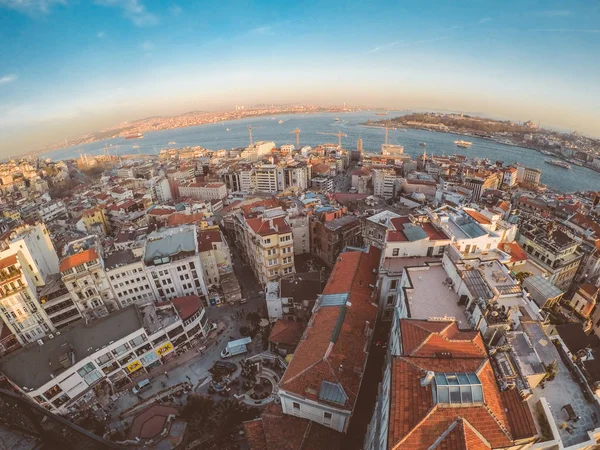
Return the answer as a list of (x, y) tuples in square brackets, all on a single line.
[(120, 258), (430, 297), (31, 367), (170, 243), (561, 391)]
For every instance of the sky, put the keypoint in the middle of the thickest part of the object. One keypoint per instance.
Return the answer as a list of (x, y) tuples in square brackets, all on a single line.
[(73, 66)]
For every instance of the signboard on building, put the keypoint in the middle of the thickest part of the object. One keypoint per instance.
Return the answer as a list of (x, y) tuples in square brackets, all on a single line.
[(164, 349), (136, 365)]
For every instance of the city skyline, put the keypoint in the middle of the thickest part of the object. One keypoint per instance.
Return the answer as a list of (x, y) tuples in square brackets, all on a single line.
[(70, 68)]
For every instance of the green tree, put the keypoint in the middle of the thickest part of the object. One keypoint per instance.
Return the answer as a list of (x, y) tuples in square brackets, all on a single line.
[(522, 275)]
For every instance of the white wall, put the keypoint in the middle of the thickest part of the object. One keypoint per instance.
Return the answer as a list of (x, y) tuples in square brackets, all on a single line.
[(314, 411)]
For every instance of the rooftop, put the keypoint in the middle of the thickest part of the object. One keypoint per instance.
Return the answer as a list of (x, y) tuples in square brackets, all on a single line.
[(169, 243), (561, 391), (120, 258), (77, 259), (541, 289), (431, 297), (341, 222), (82, 340)]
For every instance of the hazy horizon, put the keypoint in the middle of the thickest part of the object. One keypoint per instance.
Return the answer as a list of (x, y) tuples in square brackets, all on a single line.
[(70, 68)]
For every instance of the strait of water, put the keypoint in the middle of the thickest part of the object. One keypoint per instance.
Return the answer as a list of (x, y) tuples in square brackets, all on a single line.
[(216, 136)]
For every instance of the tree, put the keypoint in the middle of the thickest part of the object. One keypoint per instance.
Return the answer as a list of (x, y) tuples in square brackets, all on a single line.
[(522, 275)]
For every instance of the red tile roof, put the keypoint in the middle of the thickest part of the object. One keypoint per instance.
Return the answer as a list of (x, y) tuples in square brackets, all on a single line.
[(262, 227), (187, 306), (160, 212), (184, 219), (286, 332), (278, 431), (434, 233), (79, 258), (8, 261), (207, 238), (417, 422), (251, 209), (333, 346), (515, 251)]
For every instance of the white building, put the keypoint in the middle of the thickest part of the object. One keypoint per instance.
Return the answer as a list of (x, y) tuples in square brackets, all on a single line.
[(51, 211), (161, 189), (204, 191), (385, 183), (173, 263), (127, 277), (119, 349)]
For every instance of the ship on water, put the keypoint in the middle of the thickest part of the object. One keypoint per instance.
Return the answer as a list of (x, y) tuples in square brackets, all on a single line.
[(558, 163), (172, 143), (422, 144), (134, 136), (381, 114), (463, 144)]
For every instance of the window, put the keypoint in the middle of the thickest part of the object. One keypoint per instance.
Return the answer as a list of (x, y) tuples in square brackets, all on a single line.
[(393, 285), (390, 300), (296, 405), (396, 252), (327, 416), (86, 369), (267, 241)]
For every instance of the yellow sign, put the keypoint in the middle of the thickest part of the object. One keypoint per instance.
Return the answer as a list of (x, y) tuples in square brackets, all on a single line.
[(134, 366), (164, 349)]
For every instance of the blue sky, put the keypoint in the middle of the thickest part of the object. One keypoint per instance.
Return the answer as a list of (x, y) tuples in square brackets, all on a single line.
[(72, 66)]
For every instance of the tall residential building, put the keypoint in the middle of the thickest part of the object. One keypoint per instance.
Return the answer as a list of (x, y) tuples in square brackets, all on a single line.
[(82, 271), (265, 238), (19, 306), (385, 183), (173, 263), (528, 176)]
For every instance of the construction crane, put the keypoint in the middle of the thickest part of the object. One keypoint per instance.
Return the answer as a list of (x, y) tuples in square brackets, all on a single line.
[(250, 131), (339, 135), (297, 131)]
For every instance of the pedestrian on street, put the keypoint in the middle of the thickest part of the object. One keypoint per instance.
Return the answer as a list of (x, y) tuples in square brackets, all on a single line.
[(166, 374), (189, 379)]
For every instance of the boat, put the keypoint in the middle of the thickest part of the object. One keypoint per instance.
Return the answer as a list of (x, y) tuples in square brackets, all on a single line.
[(558, 163), (381, 114), (227, 129), (172, 143), (136, 146), (547, 153), (281, 121), (134, 136), (463, 144), (337, 119), (423, 144)]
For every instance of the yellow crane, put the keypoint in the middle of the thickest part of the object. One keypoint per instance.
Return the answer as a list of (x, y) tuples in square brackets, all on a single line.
[(297, 131), (339, 135)]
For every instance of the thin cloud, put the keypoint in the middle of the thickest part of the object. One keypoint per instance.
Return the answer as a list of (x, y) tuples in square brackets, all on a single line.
[(101, 35), (147, 45), (8, 78), (134, 10), (31, 7), (175, 10), (566, 30), (410, 44), (383, 47), (265, 30), (485, 20)]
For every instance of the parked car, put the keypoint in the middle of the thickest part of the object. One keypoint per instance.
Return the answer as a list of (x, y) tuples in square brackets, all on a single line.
[(141, 386), (223, 367)]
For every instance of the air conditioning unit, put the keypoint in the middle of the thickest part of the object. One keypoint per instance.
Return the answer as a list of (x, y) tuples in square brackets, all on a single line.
[(51, 336), (58, 333), (40, 342)]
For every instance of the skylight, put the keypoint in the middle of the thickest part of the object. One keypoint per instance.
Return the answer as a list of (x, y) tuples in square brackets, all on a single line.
[(457, 388)]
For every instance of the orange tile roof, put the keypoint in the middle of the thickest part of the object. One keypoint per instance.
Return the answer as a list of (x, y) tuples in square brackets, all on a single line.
[(515, 251), (8, 261), (416, 422), (249, 210), (287, 332), (207, 238), (333, 346), (77, 259), (187, 306), (184, 219), (263, 226), (478, 216)]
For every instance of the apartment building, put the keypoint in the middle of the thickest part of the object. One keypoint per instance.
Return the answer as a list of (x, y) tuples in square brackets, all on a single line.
[(510, 177), (324, 376), (57, 302), (118, 350), (20, 309), (266, 241), (551, 248), (386, 183), (332, 233), (300, 224), (214, 255), (528, 176), (203, 191), (264, 178), (82, 272), (160, 189), (173, 263), (480, 183), (95, 222), (52, 211), (127, 277)]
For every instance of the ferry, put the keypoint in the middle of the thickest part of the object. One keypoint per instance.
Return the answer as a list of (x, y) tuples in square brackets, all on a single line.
[(281, 121), (381, 114), (547, 153), (172, 143), (227, 129), (337, 119), (136, 146), (558, 163), (134, 136), (463, 144), (423, 144)]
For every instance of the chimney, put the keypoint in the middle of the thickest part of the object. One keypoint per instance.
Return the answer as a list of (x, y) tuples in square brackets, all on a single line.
[(428, 378)]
